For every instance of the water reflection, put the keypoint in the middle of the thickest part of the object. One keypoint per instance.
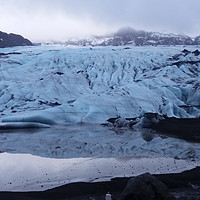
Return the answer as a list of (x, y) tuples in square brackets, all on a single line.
[(146, 134), (71, 141), (76, 141)]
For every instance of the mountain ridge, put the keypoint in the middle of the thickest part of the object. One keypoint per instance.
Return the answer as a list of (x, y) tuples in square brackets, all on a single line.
[(130, 36), (11, 40)]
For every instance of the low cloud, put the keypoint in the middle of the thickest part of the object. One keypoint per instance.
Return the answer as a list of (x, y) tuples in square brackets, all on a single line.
[(44, 20)]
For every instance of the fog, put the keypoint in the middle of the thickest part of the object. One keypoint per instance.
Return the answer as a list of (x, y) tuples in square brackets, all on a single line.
[(46, 20)]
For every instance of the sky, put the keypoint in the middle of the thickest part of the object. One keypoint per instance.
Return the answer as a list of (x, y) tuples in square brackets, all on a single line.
[(59, 20)]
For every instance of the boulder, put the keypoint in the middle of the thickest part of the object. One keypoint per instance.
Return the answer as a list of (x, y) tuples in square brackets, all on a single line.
[(146, 187), (150, 119), (120, 122)]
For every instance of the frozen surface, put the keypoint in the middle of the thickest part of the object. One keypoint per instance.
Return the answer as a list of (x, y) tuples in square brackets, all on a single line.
[(31, 173), (55, 84), (71, 91)]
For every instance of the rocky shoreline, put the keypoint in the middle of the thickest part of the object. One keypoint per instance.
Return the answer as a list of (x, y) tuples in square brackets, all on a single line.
[(183, 128)]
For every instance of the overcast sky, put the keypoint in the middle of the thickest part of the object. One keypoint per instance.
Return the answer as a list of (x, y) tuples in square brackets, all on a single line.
[(44, 20)]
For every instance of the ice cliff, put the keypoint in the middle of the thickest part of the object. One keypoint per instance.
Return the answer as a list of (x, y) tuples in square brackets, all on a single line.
[(56, 84)]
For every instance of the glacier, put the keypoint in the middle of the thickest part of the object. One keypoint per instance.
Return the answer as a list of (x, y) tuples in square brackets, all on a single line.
[(56, 102), (59, 85)]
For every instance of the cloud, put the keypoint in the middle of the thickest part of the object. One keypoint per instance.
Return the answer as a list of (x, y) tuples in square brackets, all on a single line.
[(42, 20)]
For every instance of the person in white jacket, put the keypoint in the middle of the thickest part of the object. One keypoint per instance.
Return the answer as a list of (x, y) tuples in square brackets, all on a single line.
[(108, 196)]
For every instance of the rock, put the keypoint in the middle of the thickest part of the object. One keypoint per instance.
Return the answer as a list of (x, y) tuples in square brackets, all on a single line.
[(121, 122), (146, 187), (11, 40), (196, 52), (150, 119), (186, 52)]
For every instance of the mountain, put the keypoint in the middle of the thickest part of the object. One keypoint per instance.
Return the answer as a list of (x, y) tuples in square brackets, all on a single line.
[(11, 40), (197, 40), (130, 36)]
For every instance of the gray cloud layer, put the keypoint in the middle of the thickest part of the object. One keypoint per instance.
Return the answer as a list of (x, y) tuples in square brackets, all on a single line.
[(60, 19)]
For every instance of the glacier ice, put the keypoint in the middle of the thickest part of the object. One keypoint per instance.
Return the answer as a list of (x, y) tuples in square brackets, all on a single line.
[(57, 84), (73, 90)]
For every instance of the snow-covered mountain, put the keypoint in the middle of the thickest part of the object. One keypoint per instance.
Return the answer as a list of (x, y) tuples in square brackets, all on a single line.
[(197, 40), (130, 36), (11, 40), (91, 85)]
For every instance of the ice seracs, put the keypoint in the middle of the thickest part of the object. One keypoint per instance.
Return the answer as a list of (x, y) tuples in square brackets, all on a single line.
[(74, 90), (97, 84)]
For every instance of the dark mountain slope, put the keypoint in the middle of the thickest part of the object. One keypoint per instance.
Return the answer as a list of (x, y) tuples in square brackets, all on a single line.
[(11, 40)]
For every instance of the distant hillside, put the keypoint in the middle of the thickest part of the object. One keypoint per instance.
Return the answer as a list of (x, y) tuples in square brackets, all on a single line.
[(130, 36), (11, 40), (197, 40)]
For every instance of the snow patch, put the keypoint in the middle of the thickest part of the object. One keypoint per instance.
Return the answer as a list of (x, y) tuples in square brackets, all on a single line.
[(37, 174)]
